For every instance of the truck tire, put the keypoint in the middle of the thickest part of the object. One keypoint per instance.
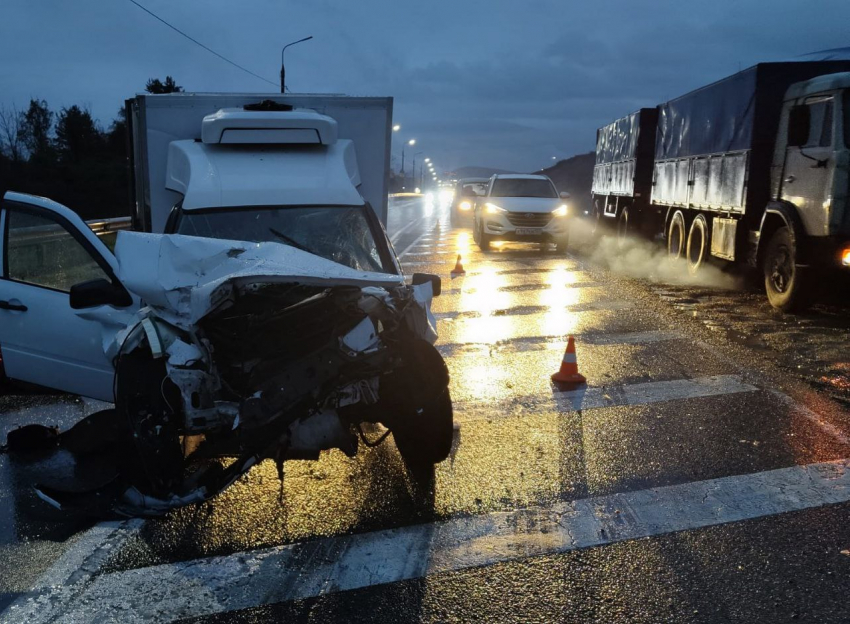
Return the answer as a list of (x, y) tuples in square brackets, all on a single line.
[(788, 286), (484, 239), (676, 236), (697, 249)]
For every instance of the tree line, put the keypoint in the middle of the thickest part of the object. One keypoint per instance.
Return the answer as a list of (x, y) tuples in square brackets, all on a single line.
[(67, 156)]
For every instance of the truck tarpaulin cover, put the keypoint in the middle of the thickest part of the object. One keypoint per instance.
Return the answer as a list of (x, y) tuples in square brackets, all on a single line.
[(618, 140), (715, 119)]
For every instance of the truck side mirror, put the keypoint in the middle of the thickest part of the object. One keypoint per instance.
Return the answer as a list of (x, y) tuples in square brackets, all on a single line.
[(424, 278), (799, 120), (98, 292)]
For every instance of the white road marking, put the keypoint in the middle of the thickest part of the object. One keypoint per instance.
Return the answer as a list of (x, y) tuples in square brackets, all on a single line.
[(556, 341), (395, 236), (587, 398), (406, 249), (273, 575)]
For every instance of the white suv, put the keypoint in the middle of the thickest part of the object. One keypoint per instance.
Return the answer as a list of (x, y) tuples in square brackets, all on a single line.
[(525, 208)]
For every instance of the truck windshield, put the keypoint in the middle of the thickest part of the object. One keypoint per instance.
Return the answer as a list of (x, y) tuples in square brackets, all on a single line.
[(522, 187), (342, 234)]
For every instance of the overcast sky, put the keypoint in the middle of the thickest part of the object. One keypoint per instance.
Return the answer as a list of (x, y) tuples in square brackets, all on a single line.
[(497, 83)]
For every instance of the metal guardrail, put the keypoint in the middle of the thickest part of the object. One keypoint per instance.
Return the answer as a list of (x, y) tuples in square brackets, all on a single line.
[(104, 226)]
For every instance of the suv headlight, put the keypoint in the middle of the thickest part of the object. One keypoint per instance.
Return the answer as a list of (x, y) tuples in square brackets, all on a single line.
[(561, 211), (493, 209)]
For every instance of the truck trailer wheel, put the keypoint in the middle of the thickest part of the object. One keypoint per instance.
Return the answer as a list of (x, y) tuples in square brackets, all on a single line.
[(788, 286), (676, 236), (697, 248)]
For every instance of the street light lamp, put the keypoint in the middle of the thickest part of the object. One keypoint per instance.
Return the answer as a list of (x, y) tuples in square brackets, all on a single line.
[(396, 128), (282, 67), (411, 142)]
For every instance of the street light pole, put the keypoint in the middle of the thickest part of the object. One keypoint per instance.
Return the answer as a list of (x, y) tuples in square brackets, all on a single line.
[(282, 67), (413, 168)]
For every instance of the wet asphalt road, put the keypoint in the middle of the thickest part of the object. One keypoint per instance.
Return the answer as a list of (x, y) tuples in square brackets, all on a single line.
[(687, 383)]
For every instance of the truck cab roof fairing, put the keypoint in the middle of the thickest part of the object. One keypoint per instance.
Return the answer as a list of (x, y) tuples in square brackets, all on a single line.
[(298, 126), (210, 176)]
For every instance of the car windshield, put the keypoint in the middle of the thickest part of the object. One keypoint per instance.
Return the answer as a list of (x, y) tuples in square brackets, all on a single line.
[(342, 234), (522, 187)]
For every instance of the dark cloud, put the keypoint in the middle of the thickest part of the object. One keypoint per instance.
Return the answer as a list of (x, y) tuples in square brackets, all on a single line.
[(492, 82)]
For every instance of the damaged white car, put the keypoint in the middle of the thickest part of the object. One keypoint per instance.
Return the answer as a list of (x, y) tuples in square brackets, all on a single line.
[(277, 346)]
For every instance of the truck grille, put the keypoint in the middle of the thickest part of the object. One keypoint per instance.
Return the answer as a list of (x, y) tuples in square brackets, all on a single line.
[(529, 219)]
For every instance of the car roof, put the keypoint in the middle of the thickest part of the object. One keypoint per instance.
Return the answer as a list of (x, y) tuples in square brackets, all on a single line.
[(520, 176), (472, 180)]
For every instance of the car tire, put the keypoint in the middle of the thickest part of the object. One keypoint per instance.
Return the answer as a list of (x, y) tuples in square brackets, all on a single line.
[(425, 442), (561, 243), (484, 239), (697, 248), (788, 286), (676, 236)]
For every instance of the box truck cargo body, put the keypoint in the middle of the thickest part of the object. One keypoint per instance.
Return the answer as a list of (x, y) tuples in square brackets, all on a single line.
[(721, 174)]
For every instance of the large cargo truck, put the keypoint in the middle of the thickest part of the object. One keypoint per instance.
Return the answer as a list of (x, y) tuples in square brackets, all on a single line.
[(750, 169)]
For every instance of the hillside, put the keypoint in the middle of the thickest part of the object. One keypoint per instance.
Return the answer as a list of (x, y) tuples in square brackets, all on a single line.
[(575, 176)]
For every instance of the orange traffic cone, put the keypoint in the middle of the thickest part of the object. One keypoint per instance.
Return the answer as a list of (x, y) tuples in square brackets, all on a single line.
[(569, 366), (458, 270)]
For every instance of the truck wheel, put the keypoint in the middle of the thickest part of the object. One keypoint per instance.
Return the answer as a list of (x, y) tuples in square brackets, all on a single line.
[(788, 286), (623, 227), (483, 238), (676, 236), (697, 248)]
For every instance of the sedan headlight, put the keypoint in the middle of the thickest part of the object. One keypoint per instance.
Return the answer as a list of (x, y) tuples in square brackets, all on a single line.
[(561, 211), (465, 205), (493, 209)]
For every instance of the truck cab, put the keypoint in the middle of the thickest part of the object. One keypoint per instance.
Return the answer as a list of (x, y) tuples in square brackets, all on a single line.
[(812, 154), (280, 176)]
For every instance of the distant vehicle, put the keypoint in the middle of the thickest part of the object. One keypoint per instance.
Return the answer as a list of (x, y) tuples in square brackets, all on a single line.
[(466, 191), (754, 169), (525, 208), (270, 321)]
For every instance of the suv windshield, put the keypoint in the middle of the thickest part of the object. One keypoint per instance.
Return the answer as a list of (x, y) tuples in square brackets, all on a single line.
[(523, 187), (342, 234)]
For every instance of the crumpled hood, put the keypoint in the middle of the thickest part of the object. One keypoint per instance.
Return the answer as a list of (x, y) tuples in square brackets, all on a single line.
[(180, 276), (527, 204)]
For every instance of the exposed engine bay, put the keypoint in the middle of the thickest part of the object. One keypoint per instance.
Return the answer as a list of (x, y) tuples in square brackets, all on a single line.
[(273, 369)]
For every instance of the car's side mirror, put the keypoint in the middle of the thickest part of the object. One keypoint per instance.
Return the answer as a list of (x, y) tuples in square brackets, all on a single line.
[(799, 120), (468, 192), (424, 278), (98, 292), (564, 195)]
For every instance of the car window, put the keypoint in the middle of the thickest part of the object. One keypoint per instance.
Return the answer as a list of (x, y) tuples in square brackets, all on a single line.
[(522, 187), (820, 127), (42, 252), (338, 233)]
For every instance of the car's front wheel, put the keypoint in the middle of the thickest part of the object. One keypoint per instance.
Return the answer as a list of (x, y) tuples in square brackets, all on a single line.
[(484, 239)]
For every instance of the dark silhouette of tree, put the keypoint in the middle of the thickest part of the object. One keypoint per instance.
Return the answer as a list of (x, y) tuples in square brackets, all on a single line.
[(34, 130), (156, 86), (116, 136), (77, 135), (11, 142)]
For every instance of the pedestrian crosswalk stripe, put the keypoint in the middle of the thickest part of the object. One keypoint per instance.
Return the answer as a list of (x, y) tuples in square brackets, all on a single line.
[(297, 571)]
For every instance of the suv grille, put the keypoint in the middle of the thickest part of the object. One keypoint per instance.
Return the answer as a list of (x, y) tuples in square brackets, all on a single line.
[(529, 219)]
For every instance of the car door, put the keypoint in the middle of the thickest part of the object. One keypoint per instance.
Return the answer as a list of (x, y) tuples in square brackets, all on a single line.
[(46, 249), (809, 168)]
